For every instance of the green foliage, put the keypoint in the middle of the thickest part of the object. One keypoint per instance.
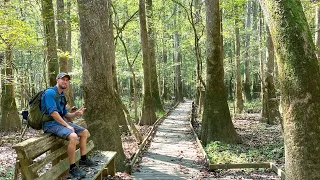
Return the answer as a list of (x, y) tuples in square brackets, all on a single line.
[(6, 174), (13, 29), (219, 152), (254, 104), (224, 153), (160, 114)]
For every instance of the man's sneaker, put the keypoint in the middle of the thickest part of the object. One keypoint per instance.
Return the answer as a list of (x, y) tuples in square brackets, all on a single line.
[(86, 162), (76, 172)]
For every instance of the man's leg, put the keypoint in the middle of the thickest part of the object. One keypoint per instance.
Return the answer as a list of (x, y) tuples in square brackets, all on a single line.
[(72, 138), (83, 134), (83, 141)]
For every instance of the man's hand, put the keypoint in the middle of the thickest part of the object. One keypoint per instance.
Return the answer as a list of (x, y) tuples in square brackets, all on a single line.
[(73, 109), (70, 127), (80, 111)]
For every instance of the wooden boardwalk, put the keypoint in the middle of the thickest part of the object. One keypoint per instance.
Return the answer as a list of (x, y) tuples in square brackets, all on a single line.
[(173, 152)]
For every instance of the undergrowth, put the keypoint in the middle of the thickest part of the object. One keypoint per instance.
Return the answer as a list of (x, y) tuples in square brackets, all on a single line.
[(221, 153), (6, 174)]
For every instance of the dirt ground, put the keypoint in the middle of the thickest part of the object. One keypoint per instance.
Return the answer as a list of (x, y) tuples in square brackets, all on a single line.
[(247, 126)]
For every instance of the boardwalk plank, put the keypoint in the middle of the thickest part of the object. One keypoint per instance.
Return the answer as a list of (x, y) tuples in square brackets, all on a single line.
[(173, 152)]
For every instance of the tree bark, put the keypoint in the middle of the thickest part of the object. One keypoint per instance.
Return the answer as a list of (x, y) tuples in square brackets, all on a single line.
[(239, 99), (165, 91), (153, 67), (270, 110), (255, 80), (10, 118), (299, 84), (217, 124), (178, 97), (148, 116), (103, 113), (62, 46), (69, 93), (50, 40), (61, 29), (247, 84), (261, 49), (317, 33)]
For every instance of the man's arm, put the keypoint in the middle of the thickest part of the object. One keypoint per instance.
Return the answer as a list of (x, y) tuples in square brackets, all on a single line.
[(56, 116), (78, 112)]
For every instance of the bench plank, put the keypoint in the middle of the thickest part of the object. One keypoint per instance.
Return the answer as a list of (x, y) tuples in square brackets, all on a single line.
[(63, 165), (49, 158), (103, 159), (35, 146)]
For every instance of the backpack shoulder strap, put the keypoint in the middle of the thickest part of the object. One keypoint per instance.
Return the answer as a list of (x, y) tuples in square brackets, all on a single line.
[(57, 93)]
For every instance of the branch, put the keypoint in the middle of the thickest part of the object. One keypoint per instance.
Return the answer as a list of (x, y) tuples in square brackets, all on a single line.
[(202, 82), (136, 56), (185, 9), (130, 18), (120, 29), (4, 41)]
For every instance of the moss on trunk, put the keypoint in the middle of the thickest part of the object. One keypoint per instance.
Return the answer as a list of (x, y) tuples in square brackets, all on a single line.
[(300, 86), (217, 124)]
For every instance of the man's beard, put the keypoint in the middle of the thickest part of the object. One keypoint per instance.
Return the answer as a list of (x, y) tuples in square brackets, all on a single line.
[(62, 87)]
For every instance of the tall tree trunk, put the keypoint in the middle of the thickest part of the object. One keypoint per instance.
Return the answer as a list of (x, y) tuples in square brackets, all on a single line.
[(61, 29), (177, 70), (270, 110), (152, 59), (299, 83), (2, 76), (69, 92), (261, 49), (103, 113), (217, 124), (247, 84), (148, 116), (239, 99), (62, 45), (178, 96), (255, 80), (50, 39), (165, 91), (10, 118), (317, 33)]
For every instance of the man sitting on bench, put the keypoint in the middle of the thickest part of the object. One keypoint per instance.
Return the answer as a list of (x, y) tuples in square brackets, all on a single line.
[(53, 103)]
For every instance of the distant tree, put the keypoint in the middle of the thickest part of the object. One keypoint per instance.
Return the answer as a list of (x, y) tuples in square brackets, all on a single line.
[(177, 58), (217, 124), (299, 77), (247, 83), (270, 107), (69, 92), (148, 116), (239, 98), (14, 34), (50, 41), (10, 119), (317, 31), (153, 65)]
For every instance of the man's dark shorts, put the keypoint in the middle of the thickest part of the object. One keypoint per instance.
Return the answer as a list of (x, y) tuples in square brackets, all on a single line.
[(62, 131)]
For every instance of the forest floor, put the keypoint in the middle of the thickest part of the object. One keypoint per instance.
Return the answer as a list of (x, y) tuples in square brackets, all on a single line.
[(251, 131)]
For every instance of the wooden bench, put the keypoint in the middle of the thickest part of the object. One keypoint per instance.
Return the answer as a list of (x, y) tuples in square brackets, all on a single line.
[(54, 150)]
